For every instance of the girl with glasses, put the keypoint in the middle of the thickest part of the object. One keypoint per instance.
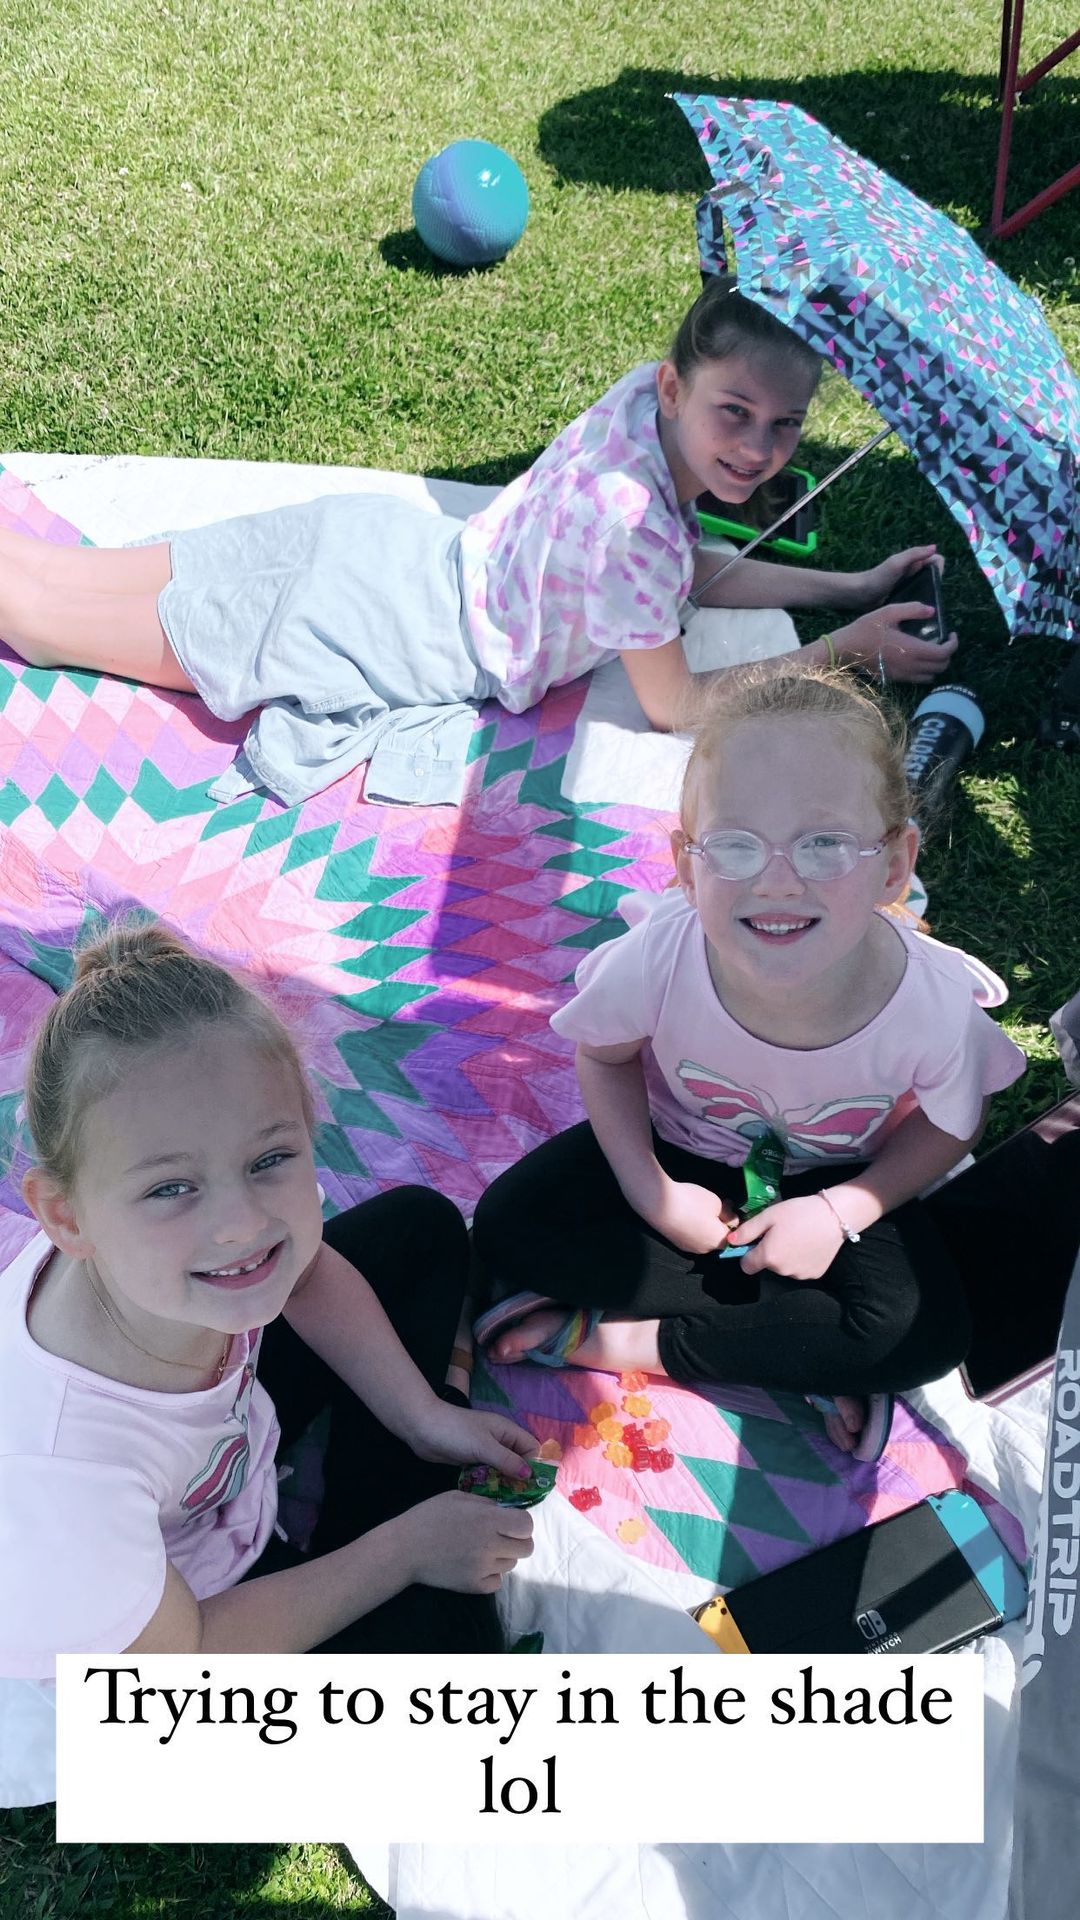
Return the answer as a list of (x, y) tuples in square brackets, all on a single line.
[(770, 1004)]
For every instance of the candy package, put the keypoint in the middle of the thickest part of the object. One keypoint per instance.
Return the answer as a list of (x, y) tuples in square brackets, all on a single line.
[(506, 1488), (762, 1169)]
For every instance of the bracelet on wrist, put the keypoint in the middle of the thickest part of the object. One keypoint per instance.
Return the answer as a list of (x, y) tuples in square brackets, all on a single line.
[(830, 644), (849, 1233)]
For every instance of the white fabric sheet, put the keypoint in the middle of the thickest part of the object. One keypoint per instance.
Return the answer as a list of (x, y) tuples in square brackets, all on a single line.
[(582, 1592)]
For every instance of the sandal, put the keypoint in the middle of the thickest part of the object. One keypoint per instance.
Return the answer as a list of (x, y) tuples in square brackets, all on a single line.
[(506, 1313), (558, 1348), (876, 1427)]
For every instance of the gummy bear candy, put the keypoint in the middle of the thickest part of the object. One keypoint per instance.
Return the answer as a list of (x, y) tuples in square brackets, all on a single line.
[(586, 1437), (550, 1450), (634, 1381), (661, 1459), (618, 1454), (629, 1531), (638, 1404), (585, 1497), (509, 1490), (602, 1411), (657, 1431), (610, 1429)]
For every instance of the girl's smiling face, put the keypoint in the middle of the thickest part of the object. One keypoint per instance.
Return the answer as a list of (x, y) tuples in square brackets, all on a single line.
[(780, 777), (195, 1200), (732, 424)]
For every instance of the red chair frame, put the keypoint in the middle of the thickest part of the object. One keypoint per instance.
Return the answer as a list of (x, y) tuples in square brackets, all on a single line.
[(1012, 83)]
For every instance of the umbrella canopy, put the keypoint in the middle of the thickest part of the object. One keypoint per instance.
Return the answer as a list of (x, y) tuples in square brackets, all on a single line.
[(903, 303)]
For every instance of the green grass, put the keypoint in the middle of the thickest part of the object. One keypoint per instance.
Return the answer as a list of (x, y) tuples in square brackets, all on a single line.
[(40, 1881), (206, 249)]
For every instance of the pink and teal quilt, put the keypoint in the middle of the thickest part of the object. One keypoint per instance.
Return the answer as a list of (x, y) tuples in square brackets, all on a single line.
[(419, 953)]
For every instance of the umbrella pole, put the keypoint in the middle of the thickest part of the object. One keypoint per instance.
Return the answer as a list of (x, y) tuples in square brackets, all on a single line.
[(796, 507)]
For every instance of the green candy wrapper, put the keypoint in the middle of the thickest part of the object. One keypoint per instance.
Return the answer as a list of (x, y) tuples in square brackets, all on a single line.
[(761, 1171), (506, 1488)]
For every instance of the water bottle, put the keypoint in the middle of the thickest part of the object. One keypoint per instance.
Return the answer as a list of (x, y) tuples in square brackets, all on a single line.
[(945, 728)]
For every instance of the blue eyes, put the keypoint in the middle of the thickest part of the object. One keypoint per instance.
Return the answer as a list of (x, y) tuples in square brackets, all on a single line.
[(174, 1189), (272, 1159)]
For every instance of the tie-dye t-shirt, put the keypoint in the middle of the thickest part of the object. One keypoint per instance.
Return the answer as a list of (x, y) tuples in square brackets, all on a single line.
[(713, 1086), (102, 1483), (584, 556)]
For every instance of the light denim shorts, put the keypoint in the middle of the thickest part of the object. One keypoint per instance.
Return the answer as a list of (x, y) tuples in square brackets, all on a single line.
[(323, 603)]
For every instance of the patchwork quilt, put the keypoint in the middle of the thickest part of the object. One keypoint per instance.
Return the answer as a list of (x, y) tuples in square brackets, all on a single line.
[(419, 951)]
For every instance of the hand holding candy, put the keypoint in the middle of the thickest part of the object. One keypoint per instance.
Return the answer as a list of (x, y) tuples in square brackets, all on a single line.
[(762, 1169), (462, 1435), (691, 1217), (798, 1238), (510, 1490), (467, 1546)]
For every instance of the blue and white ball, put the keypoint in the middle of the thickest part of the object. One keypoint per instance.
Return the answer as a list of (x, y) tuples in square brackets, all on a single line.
[(470, 203)]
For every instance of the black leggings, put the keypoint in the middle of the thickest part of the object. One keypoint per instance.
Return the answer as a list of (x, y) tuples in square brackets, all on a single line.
[(412, 1248), (888, 1314)]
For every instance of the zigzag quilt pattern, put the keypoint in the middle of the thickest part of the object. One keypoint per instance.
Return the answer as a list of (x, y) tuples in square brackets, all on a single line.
[(419, 951)]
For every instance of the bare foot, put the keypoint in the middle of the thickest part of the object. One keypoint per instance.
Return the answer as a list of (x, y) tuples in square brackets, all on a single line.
[(533, 1331), (846, 1424)]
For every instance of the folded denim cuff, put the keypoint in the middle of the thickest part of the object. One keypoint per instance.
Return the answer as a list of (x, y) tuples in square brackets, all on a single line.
[(420, 774)]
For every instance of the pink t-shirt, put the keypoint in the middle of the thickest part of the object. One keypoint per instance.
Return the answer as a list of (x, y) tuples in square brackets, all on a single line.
[(101, 1484), (585, 555), (713, 1086)]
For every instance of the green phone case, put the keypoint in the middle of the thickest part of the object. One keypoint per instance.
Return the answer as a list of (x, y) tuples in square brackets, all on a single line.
[(790, 540)]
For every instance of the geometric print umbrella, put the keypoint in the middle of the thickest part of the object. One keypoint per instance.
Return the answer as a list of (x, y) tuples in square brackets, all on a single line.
[(903, 303)]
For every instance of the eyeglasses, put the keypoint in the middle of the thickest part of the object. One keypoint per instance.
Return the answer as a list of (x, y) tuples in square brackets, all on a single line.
[(733, 854)]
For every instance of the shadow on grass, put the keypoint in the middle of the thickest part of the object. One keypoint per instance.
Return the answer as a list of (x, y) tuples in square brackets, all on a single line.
[(935, 131), (492, 473), (406, 253)]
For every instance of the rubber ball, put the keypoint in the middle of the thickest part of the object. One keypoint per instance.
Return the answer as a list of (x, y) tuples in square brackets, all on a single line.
[(470, 203)]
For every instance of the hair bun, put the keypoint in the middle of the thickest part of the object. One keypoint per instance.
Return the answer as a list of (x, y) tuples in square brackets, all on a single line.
[(125, 946)]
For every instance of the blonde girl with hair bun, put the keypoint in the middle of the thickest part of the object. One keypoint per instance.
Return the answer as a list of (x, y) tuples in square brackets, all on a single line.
[(183, 1311)]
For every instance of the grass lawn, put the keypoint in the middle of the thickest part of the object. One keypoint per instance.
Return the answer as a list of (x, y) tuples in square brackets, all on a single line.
[(206, 249)]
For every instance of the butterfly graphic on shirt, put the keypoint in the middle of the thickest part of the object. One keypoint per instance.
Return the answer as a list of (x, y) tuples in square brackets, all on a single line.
[(225, 1472), (811, 1133)]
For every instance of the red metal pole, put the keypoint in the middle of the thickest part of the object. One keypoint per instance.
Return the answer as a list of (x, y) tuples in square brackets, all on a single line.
[(1006, 36), (1037, 205), (1012, 62), (1052, 60)]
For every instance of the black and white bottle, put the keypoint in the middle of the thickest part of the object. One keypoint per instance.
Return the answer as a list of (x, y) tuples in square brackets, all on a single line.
[(945, 728)]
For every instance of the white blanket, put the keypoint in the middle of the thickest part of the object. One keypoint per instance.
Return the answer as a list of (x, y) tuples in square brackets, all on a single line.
[(584, 1593)]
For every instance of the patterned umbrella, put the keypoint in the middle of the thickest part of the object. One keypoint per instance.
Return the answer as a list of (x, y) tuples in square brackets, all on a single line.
[(940, 341)]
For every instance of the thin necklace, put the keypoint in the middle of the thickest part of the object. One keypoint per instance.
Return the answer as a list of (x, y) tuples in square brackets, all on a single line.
[(193, 1365)]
